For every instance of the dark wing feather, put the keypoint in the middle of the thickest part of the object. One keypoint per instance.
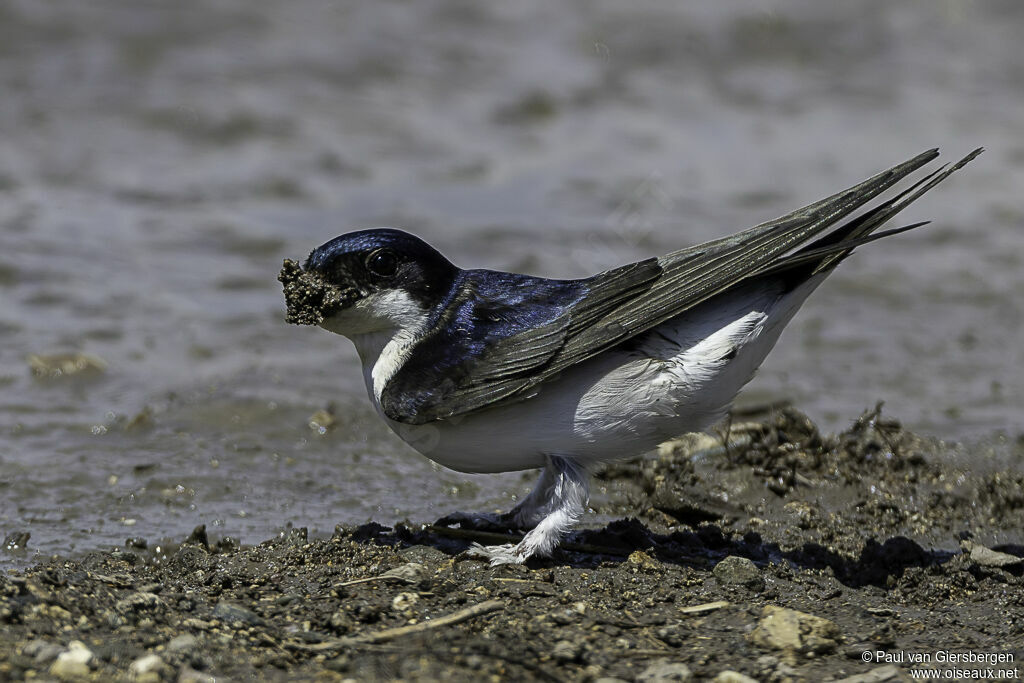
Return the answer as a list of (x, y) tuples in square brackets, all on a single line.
[(469, 361), (495, 333)]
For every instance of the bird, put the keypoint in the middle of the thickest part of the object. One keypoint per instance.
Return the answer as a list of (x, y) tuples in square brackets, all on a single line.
[(489, 371)]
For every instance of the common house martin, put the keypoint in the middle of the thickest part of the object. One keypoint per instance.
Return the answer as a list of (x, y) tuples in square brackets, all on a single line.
[(486, 371)]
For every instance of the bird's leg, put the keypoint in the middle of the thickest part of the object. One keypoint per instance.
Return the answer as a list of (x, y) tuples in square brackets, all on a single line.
[(526, 514), (554, 506), (478, 521)]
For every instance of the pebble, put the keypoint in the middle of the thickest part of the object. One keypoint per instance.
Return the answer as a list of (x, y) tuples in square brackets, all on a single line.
[(565, 651), (198, 537), (889, 672), (197, 624), (665, 671), (641, 560), (190, 675), (410, 572), (182, 643), (732, 677), (233, 613), (42, 651), (138, 602), (72, 663), (403, 603), (786, 629), (146, 669), (986, 557), (738, 571)]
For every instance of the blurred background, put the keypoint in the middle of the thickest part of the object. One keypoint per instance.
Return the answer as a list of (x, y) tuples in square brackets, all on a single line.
[(158, 160)]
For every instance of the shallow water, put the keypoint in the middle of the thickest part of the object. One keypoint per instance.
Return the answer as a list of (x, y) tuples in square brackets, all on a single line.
[(157, 162)]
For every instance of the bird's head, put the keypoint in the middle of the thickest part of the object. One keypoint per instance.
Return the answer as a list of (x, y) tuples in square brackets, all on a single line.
[(367, 281)]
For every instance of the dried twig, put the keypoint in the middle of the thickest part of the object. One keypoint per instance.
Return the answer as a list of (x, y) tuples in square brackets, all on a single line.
[(392, 633), (462, 615), (410, 572), (706, 607)]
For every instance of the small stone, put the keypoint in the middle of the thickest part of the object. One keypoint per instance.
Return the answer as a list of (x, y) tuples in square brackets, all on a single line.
[(197, 624), (641, 560), (738, 571), (72, 663), (565, 651), (665, 671), (147, 669), (183, 643), (54, 612), (564, 617), (732, 677), (113, 619), (42, 651), (986, 557), (189, 675), (889, 672), (403, 603), (672, 635), (340, 664), (341, 621), (231, 613), (198, 537), (138, 602), (786, 629), (410, 572), (856, 650)]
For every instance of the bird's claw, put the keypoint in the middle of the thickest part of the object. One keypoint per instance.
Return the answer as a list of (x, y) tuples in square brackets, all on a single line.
[(497, 555)]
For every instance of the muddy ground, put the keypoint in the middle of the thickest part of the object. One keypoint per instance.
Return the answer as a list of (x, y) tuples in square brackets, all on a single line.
[(769, 551)]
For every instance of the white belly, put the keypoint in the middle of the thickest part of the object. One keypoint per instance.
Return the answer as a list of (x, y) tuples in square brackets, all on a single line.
[(680, 377)]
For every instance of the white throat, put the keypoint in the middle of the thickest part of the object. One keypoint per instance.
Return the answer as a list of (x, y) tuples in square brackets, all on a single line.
[(382, 354), (384, 327)]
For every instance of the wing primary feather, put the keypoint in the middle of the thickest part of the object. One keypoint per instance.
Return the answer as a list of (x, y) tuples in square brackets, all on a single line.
[(866, 224), (807, 256), (695, 274)]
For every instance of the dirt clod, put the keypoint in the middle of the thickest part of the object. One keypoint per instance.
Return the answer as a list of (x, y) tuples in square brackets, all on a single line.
[(738, 571), (308, 296)]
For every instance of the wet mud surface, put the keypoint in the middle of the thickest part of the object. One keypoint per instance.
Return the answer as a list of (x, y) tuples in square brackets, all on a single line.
[(770, 551), (158, 161)]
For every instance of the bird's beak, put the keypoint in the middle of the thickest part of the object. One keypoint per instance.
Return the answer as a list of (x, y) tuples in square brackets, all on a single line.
[(309, 297)]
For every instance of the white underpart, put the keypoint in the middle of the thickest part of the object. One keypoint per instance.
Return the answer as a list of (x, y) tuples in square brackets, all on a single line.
[(680, 378)]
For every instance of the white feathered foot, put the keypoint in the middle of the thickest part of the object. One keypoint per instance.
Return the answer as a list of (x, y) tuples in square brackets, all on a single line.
[(549, 511)]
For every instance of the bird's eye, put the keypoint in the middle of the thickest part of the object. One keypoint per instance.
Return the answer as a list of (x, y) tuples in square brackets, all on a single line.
[(382, 262)]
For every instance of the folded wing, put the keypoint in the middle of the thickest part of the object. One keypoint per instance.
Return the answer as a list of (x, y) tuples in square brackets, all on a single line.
[(502, 334)]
